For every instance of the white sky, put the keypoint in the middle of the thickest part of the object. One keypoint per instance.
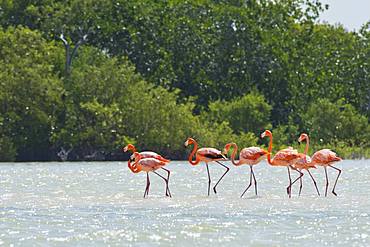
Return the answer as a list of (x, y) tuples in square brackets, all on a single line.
[(351, 13)]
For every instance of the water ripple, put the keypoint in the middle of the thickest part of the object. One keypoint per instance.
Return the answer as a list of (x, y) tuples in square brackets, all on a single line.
[(100, 203)]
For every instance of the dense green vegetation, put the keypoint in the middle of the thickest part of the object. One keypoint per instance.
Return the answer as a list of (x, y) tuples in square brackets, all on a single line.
[(155, 72)]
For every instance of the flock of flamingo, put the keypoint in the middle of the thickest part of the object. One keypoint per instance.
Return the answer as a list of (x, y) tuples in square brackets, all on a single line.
[(148, 161)]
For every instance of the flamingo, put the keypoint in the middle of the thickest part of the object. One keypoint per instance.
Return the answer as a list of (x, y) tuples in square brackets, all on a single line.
[(144, 155), (325, 158), (149, 165), (206, 155), (250, 156), (304, 162), (285, 157)]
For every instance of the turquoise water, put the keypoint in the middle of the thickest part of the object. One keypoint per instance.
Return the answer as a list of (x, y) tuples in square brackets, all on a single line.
[(100, 204)]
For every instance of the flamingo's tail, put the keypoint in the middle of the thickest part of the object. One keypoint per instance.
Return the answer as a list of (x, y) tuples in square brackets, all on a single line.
[(311, 166), (336, 158), (163, 159)]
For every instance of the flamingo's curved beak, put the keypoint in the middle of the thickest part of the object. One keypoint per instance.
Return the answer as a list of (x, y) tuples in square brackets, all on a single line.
[(125, 149), (263, 134), (186, 143)]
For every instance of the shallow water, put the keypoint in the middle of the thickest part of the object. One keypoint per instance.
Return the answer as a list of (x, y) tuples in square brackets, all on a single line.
[(100, 203)]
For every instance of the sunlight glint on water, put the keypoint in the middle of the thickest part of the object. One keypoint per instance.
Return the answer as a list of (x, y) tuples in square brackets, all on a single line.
[(101, 202)]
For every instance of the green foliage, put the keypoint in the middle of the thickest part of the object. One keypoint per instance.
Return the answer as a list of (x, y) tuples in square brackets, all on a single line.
[(249, 113), (31, 90), (331, 122), (284, 135), (93, 115), (156, 72), (343, 150), (331, 65), (7, 149), (157, 122)]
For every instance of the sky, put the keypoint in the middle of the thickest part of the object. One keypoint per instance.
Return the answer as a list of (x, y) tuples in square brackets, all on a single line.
[(351, 13)]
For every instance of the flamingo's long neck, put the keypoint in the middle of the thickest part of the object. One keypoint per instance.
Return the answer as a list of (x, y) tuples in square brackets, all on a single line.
[(307, 145), (306, 149), (196, 161), (269, 150), (235, 150)]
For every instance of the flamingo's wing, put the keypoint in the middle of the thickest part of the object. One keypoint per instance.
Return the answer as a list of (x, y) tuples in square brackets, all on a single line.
[(150, 154), (151, 164), (304, 161), (252, 153), (289, 150), (308, 159), (211, 153), (325, 156), (286, 155)]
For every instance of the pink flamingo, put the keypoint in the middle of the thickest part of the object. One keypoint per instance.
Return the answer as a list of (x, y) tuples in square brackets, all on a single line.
[(149, 165), (147, 154), (206, 155), (304, 162), (250, 156), (325, 158), (285, 157)]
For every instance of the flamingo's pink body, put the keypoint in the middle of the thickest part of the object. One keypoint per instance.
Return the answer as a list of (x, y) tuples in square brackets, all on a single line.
[(249, 156), (285, 157), (149, 164), (145, 154), (206, 155), (150, 154), (324, 157), (304, 162)]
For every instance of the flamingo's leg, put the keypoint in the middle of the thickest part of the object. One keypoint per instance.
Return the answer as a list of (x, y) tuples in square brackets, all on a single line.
[(314, 182), (335, 184), (327, 181), (227, 170), (255, 180), (209, 179), (146, 193), (168, 180), (291, 184), (300, 186), (165, 180), (250, 184)]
